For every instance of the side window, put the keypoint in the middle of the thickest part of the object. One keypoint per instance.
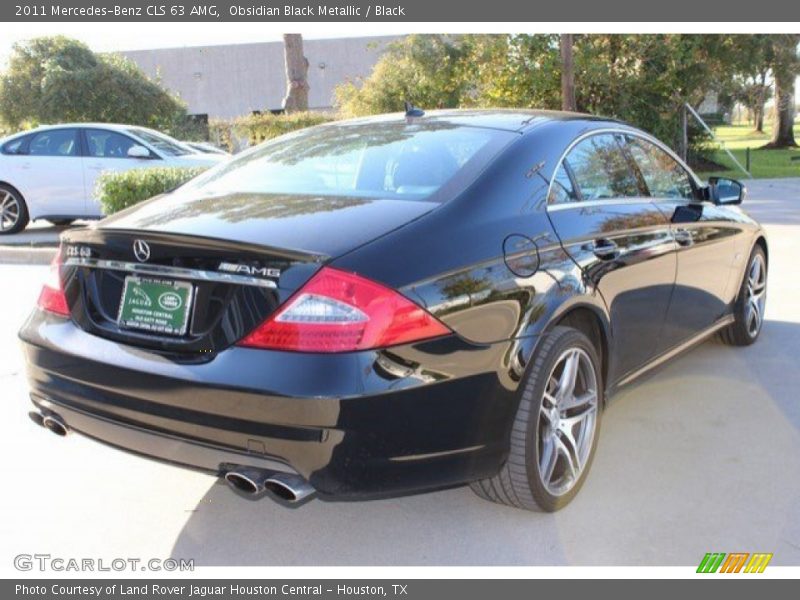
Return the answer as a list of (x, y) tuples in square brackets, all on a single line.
[(103, 143), (601, 169), (54, 142), (562, 190), (15, 146), (665, 178)]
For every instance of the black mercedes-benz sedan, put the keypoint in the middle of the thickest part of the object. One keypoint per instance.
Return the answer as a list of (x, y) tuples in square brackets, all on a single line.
[(395, 304)]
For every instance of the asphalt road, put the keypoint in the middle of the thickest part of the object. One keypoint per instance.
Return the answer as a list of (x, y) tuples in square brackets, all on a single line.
[(702, 456)]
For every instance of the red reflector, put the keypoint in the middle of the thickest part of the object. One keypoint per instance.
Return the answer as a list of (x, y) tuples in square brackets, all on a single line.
[(52, 297), (341, 312)]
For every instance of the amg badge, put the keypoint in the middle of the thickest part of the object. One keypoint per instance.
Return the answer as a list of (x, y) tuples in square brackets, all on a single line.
[(249, 270)]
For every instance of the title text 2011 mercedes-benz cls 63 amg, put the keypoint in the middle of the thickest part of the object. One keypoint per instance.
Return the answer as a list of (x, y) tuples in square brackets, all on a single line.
[(395, 304)]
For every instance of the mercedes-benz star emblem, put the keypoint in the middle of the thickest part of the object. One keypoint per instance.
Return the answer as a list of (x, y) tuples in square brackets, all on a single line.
[(141, 250)]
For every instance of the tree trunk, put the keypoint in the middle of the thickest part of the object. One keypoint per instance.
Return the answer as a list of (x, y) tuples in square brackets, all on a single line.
[(567, 74), (296, 98), (783, 130), (762, 94), (785, 67)]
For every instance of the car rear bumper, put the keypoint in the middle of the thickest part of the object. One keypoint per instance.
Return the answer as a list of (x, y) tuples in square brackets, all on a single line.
[(362, 424)]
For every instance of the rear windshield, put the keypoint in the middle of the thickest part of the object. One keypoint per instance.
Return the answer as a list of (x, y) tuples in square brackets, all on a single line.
[(371, 160)]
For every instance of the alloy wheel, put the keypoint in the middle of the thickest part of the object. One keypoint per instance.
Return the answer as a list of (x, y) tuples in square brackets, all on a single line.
[(567, 421), (755, 295), (9, 211)]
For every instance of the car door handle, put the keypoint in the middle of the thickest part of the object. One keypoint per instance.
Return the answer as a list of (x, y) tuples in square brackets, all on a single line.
[(683, 237), (95, 167), (605, 249)]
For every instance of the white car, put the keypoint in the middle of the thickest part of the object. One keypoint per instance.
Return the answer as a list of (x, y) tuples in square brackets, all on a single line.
[(206, 148), (50, 172)]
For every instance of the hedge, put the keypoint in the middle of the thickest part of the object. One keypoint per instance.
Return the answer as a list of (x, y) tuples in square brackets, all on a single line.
[(119, 190), (234, 134)]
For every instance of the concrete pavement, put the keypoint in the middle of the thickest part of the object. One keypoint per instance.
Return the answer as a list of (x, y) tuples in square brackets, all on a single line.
[(702, 456), (34, 245)]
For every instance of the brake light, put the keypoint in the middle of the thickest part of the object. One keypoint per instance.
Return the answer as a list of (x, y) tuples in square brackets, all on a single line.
[(52, 297), (341, 312)]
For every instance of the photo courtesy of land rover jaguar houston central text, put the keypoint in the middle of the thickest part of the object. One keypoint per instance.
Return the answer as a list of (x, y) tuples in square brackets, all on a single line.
[(394, 305)]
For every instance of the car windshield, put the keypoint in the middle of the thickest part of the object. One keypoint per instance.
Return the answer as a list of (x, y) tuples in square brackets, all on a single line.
[(162, 143), (396, 160)]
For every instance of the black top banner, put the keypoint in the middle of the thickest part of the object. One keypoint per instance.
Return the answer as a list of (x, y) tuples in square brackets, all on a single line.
[(782, 11)]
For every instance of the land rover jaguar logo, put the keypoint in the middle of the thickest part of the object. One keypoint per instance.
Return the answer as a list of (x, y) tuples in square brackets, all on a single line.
[(141, 250), (170, 301)]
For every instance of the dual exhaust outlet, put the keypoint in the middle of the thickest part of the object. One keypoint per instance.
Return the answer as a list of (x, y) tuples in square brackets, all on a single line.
[(249, 482), (284, 488)]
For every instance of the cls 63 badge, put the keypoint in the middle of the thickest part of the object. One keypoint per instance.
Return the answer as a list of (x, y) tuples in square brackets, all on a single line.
[(79, 252)]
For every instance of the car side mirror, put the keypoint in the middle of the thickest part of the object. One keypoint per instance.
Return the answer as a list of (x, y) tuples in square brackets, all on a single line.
[(138, 152), (722, 190)]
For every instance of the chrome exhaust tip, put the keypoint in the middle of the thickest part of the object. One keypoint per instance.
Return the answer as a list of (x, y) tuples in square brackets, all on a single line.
[(36, 417), (289, 488), (247, 482), (55, 424), (283, 488)]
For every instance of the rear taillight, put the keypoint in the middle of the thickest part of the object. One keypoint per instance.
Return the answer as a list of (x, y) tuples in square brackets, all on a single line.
[(52, 297), (341, 312)]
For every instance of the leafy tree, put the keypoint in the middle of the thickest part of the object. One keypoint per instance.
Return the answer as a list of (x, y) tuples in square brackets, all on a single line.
[(751, 86), (422, 69), (516, 71), (642, 79), (56, 79)]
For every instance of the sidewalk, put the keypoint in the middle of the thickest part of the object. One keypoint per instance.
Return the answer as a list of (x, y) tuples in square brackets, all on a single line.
[(36, 245)]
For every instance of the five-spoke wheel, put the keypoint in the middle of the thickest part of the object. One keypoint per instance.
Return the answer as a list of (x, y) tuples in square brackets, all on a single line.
[(756, 294), (748, 309), (567, 421), (555, 431), (13, 212)]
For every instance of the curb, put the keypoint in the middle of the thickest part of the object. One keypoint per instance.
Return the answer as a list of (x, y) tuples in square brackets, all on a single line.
[(11, 255)]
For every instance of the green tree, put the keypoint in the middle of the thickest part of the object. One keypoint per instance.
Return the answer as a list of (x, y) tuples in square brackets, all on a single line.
[(56, 79), (751, 86), (422, 69), (642, 79)]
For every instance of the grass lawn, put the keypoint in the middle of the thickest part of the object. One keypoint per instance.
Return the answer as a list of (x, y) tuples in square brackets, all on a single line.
[(763, 163)]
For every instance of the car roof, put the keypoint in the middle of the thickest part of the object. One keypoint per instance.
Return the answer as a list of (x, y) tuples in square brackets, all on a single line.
[(114, 126), (508, 119)]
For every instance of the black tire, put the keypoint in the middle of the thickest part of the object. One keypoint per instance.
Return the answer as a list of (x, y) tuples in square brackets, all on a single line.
[(519, 483), (9, 196), (741, 332), (61, 222)]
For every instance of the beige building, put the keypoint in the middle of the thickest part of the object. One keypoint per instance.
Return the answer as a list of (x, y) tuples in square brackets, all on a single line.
[(237, 79)]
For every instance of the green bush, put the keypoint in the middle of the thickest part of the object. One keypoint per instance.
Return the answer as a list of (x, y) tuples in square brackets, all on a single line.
[(259, 128), (57, 80), (119, 190)]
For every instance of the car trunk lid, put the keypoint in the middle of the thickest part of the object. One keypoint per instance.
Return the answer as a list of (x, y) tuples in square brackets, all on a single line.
[(323, 225), (192, 278)]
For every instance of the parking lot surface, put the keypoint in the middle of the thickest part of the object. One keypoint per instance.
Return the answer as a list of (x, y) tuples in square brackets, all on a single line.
[(702, 456)]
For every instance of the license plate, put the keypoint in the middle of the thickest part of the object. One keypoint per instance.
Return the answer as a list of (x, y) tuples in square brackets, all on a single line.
[(156, 305)]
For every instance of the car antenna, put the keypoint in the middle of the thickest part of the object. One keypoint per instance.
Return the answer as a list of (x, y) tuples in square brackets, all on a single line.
[(413, 111)]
